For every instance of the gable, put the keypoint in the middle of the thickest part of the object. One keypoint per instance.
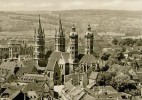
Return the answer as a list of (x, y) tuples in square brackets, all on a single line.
[(64, 58), (88, 58)]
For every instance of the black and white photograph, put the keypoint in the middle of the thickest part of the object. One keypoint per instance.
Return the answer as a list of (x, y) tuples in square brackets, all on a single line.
[(70, 49)]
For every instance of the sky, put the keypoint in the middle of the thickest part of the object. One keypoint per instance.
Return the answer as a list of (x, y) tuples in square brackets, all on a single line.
[(53, 5)]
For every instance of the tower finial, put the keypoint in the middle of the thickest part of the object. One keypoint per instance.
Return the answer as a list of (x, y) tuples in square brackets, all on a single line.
[(73, 27), (89, 27)]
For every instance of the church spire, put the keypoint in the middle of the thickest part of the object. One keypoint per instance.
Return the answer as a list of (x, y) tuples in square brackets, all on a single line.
[(60, 38), (60, 26), (60, 23), (40, 28), (39, 22), (39, 42)]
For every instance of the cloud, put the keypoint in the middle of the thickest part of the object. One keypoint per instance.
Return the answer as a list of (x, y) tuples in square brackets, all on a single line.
[(70, 4)]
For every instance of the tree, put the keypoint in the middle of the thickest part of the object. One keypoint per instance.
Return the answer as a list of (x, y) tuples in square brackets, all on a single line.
[(115, 41), (104, 56), (105, 78), (118, 55)]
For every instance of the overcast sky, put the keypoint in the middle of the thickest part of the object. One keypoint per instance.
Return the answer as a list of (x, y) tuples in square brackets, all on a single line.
[(49, 5)]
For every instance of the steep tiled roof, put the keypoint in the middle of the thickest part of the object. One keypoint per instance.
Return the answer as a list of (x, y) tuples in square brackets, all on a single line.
[(108, 88), (140, 77), (93, 75), (38, 87), (12, 64), (51, 64), (88, 97), (29, 68), (114, 68), (3, 46), (88, 58), (65, 56), (68, 86), (90, 85), (14, 95), (13, 42), (55, 55), (10, 89), (32, 78)]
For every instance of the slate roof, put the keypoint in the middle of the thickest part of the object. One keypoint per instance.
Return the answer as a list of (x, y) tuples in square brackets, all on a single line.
[(55, 55), (68, 86), (3, 46), (90, 85), (93, 75), (14, 42), (11, 65), (124, 69), (88, 58), (14, 95), (38, 87), (29, 68), (12, 89), (108, 88), (88, 97), (65, 56), (32, 78), (139, 77), (51, 64), (75, 77), (78, 92), (70, 90)]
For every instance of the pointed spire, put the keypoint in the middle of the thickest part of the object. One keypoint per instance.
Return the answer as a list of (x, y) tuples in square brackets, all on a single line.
[(89, 27), (40, 31), (60, 25), (39, 22), (73, 28)]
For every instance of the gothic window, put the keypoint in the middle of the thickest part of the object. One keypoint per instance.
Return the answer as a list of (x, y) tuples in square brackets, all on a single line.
[(49, 98), (56, 76), (49, 74)]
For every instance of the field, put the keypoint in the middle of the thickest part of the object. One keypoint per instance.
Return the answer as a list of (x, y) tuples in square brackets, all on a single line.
[(106, 22)]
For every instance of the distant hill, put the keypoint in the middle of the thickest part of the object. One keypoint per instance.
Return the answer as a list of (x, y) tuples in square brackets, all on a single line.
[(120, 22)]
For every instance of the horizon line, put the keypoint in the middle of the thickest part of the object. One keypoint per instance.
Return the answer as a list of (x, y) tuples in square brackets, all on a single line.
[(67, 10)]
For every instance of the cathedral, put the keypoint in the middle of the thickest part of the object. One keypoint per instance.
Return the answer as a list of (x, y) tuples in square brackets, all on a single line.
[(61, 63)]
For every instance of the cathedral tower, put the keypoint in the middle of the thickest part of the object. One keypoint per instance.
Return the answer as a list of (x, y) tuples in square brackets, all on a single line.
[(89, 41), (39, 38), (60, 38), (73, 59)]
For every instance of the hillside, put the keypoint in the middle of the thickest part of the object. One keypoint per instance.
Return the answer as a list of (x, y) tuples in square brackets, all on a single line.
[(102, 21)]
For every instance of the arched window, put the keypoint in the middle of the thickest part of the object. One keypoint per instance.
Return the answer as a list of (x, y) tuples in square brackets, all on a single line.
[(56, 76)]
